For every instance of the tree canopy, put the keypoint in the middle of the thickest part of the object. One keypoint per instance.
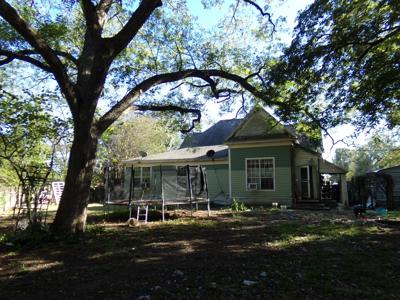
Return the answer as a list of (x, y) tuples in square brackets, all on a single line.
[(27, 129), (381, 150), (342, 65), (141, 135)]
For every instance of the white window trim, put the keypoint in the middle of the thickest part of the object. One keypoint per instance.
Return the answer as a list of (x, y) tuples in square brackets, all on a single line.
[(273, 173)]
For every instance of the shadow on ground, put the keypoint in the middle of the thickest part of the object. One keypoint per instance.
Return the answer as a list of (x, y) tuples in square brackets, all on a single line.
[(252, 255)]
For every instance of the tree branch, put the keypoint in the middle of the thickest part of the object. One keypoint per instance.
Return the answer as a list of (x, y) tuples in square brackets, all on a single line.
[(23, 55), (176, 108), (378, 41), (242, 107), (13, 18), (94, 16), (67, 55), (262, 12), (121, 40), (353, 41), (103, 7), (108, 118), (10, 56)]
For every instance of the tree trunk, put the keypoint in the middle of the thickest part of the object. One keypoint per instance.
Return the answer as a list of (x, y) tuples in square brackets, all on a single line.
[(71, 213)]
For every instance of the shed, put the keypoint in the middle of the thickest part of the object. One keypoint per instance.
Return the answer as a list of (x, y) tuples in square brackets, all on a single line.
[(379, 193)]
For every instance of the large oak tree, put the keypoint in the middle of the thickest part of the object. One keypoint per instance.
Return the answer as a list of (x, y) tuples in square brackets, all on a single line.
[(90, 46)]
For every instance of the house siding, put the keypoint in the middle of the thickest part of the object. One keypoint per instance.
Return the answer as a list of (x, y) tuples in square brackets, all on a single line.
[(283, 182), (305, 158), (261, 124)]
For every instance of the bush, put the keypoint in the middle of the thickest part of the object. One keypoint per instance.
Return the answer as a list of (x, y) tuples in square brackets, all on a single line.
[(238, 206)]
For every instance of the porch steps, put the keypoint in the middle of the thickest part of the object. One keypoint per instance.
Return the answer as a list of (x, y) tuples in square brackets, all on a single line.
[(312, 206)]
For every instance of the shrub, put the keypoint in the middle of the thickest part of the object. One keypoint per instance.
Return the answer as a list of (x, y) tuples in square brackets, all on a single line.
[(238, 206)]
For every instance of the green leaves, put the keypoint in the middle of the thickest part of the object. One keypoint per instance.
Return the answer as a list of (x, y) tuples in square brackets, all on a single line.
[(382, 150), (345, 55), (27, 128), (140, 134)]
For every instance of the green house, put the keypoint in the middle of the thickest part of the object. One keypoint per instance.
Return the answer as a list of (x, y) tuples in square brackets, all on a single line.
[(256, 160)]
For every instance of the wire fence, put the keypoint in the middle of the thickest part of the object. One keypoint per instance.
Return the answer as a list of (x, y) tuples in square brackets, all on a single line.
[(8, 198)]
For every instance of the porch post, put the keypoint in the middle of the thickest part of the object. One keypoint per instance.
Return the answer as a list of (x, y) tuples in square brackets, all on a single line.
[(162, 195), (343, 190), (204, 172), (130, 191), (229, 175), (190, 189)]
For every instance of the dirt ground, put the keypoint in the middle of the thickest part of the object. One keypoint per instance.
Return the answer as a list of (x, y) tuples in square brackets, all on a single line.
[(259, 254)]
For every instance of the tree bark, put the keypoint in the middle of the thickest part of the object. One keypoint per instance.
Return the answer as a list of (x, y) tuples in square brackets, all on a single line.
[(72, 210)]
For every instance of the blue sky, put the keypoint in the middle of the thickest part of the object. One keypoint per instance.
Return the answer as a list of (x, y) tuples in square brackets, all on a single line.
[(288, 9)]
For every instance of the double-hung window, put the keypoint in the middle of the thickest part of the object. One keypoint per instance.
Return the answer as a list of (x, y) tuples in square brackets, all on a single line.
[(260, 174)]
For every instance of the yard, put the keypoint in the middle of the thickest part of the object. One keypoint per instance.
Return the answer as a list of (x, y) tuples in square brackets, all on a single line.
[(255, 254)]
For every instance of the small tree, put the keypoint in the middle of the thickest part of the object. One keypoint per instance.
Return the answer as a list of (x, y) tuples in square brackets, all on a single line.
[(28, 136), (136, 137), (382, 150)]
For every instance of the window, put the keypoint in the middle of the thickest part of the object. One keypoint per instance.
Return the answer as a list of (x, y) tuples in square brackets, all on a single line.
[(260, 174)]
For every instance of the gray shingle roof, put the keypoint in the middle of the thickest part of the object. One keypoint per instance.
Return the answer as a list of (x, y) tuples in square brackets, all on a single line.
[(183, 155), (215, 135)]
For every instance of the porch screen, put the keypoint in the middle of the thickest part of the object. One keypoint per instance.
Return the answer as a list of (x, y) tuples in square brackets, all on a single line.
[(260, 173), (142, 177)]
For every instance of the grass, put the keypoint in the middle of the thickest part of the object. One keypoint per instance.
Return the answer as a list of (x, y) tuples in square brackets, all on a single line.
[(395, 214), (286, 255)]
